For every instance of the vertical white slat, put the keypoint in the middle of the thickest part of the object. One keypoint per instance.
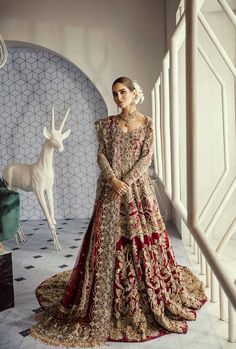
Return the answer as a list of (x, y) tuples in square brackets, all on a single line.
[(194, 246), (232, 324), (198, 254), (190, 239), (202, 264), (214, 296), (155, 133), (223, 304), (166, 124), (174, 124), (208, 276), (158, 127), (162, 129)]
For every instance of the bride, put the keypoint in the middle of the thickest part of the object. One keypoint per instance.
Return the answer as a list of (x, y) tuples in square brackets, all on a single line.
[(126, 284)]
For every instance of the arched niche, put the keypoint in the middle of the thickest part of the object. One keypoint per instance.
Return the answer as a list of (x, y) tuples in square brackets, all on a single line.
[(33, 79)]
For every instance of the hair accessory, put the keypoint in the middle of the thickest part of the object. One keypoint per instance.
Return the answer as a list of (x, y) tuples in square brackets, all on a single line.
[(140, 95)]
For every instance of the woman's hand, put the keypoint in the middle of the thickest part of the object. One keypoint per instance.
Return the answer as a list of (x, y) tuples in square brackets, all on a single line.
[(119, 187), (114, 195)]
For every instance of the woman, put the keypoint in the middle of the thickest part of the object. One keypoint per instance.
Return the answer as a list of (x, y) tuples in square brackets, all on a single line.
[(126, 284)]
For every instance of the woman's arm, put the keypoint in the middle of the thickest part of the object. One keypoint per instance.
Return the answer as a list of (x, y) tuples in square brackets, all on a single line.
[(101, 154), (146, 157)]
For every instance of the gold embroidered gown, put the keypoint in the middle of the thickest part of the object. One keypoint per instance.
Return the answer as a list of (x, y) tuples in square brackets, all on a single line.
[(126, 284)]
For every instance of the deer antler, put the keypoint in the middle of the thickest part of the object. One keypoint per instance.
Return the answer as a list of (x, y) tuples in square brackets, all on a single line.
[(53, 120), (64, 120)]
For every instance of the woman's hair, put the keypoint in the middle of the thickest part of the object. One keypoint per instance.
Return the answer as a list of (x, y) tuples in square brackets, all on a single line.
[(131, 85), (126, 81)]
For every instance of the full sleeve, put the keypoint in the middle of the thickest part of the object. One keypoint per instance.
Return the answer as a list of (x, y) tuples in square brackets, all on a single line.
[(102, 160), (141, 166)]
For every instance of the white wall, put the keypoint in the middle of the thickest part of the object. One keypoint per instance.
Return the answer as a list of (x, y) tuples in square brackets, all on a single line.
[(171, 7), (32, 80), (217, 122), (216, 126), (104, 38)]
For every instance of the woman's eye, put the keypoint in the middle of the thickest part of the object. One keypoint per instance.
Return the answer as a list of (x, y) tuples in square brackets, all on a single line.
[(122, 92)]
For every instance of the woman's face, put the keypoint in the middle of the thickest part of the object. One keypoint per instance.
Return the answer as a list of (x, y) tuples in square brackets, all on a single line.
[(122, 95)]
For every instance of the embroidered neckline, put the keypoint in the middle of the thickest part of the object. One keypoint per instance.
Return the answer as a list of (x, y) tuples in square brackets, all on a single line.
[(129, 132)]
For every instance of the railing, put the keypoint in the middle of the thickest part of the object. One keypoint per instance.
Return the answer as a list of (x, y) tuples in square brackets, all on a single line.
[(165, 106)]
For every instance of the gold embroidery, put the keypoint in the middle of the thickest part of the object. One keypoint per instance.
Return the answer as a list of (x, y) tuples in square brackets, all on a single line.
[(133, 288)]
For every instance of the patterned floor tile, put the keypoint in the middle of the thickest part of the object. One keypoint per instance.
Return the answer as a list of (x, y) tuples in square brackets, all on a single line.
[(25, 332), (29, 267), (16, 322)]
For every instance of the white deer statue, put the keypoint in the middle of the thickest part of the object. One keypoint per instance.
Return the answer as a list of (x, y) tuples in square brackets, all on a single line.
[(39, 176)]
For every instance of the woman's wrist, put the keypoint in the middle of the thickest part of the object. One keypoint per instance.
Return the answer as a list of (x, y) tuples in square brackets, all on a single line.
[(111, 179)]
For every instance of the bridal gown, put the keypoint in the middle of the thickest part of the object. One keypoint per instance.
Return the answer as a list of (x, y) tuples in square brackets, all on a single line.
[(126, 284)]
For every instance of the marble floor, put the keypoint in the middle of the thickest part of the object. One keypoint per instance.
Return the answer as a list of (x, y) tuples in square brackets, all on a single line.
[(36, 260), (228, 262)]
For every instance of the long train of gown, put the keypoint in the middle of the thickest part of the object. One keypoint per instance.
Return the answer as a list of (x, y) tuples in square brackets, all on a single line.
[(126, 284)]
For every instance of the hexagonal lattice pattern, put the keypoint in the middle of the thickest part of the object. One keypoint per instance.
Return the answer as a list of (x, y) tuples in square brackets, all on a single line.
[(31, 81)]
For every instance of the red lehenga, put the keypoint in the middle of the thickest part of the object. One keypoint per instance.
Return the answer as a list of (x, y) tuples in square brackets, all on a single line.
[(126, 284)]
